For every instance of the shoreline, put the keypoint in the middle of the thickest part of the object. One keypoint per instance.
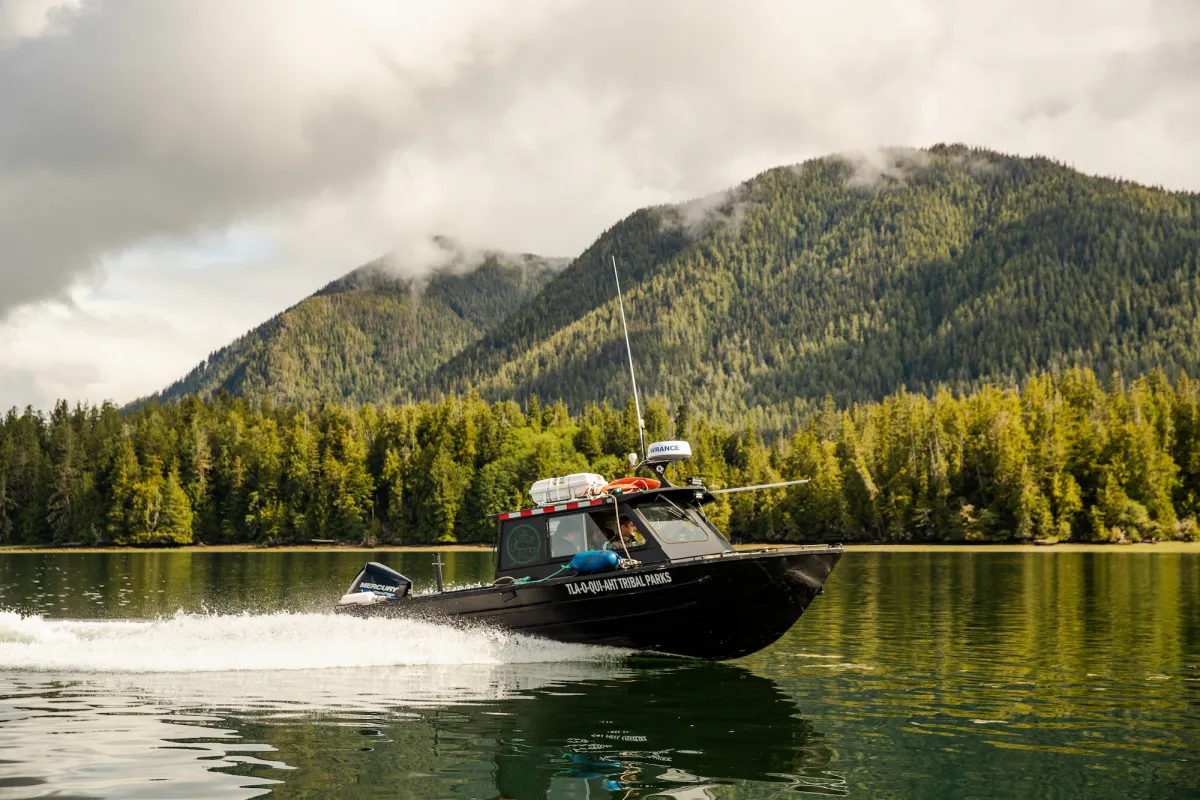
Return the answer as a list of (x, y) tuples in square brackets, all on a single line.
[(949, 547), (1066, 547)]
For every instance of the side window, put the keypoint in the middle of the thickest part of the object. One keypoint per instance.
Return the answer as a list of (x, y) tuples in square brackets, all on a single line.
[(568, 535), (604, 527), (574, 534), (524, 545)]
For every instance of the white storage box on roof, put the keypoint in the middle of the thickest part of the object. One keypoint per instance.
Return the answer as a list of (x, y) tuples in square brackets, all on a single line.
[(567, 488)]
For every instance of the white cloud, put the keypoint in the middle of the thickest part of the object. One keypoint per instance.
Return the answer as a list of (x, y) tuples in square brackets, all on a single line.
[(185, 169), (22, 19)]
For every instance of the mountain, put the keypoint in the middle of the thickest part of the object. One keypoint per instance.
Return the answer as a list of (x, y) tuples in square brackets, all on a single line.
[(852, 277), (846, 276), (374, 333)]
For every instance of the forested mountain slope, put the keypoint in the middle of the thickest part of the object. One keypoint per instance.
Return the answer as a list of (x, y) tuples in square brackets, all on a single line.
[(848, 277), (370, 335), (854, 277)]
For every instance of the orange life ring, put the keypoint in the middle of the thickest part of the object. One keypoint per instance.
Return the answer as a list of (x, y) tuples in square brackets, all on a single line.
[(634, 484)]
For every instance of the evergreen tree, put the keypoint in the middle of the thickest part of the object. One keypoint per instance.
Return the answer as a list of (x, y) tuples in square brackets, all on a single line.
[(1067, 457)]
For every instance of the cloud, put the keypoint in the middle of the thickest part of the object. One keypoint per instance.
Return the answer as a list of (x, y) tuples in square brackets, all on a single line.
[(1161, 78), (102, 344), (336, 132), (720, 210), (141, 120), (418, 258), (41, 387), (888, 165), (22, 19)]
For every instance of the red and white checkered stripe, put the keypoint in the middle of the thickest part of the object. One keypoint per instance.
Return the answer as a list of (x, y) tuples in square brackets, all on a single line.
[(533, 512)]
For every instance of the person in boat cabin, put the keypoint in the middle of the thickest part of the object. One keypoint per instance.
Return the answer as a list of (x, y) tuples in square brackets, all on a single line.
[(629, 533), (574, 533)]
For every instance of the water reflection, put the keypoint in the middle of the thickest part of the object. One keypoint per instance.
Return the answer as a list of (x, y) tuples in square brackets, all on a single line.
[(567, 730), (141, 584), (641, 733), (1039, 674)]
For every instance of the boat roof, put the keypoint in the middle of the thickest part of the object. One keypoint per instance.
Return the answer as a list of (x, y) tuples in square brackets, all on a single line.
[(695, 493)]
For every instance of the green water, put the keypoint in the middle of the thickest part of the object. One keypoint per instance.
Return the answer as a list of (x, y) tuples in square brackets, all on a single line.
[(915, 675)]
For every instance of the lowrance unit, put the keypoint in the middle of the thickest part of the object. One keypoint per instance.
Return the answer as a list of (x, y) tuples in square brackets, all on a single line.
[(668, 452)]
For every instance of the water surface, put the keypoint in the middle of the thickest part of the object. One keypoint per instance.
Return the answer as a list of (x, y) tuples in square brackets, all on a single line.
[(916, 675)]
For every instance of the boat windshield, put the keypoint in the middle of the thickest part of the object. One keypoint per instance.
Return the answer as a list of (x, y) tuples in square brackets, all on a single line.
[(672, 524)]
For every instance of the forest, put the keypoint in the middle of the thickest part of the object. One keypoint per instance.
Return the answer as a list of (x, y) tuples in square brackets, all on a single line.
[(369, 335), (951, 267), (943, 267), (1066, 457)]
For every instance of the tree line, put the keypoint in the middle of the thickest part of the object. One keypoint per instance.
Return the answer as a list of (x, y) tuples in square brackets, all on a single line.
[(1066, 457)]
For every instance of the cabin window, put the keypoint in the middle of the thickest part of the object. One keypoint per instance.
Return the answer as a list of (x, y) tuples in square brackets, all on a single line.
[(673, 525), (530, 542), (606, 523), (576, 533), (572, 534)]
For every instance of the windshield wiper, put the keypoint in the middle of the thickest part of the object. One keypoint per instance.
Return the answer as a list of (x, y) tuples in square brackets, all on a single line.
[(679, 512)]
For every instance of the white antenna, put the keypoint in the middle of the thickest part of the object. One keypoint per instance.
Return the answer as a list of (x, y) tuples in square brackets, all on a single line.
[(637, 406), (760, 486)]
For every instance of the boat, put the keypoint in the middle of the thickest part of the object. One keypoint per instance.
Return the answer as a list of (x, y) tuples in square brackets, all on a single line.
[(633, 563)]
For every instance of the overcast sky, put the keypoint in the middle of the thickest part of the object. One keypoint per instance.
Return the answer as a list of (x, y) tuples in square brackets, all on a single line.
[(174, 173)]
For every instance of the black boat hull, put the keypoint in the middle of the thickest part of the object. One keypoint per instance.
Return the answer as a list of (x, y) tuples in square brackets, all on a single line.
[(716, 607)]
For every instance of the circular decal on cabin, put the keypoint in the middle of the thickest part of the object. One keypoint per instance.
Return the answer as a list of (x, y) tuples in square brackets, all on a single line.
[(523, 545)]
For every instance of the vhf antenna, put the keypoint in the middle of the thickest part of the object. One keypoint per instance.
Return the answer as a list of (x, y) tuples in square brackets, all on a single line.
[(637, 406)]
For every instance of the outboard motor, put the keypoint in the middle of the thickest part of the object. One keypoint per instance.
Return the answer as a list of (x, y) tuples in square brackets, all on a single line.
[(375, 583)]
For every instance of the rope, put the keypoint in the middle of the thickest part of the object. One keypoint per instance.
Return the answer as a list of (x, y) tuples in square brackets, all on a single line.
[(527, 580), (620, 536)]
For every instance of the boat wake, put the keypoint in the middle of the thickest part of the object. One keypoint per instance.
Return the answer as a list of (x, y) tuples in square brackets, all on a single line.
[(277, 641)]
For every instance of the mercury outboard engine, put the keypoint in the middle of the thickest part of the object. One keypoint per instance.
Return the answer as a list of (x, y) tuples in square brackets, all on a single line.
[(376, 582)]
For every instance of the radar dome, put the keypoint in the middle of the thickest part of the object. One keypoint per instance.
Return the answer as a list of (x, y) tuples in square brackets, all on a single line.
[(668, 452)]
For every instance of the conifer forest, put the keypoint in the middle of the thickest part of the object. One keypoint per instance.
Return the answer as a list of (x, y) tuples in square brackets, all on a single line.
[(1067, 457)]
